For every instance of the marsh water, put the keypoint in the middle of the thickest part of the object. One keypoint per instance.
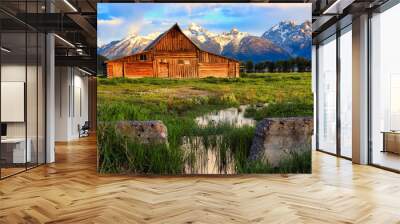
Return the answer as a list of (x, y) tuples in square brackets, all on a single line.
[(233, 116), (206, 159)]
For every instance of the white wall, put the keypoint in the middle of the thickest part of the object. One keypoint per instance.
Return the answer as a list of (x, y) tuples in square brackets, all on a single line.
[(71, 94)]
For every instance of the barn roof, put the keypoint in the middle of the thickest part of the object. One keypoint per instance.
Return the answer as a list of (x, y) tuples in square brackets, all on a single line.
[(118, 59), (155, 41)]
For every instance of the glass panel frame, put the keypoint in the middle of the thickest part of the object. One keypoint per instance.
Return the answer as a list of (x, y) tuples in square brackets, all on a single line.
[(24, 61), (14, 144), (339, 56)]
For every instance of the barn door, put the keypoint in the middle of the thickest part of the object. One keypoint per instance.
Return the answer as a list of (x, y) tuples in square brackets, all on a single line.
[(110, 71), (184, 68), (232, 69), (163, 68)]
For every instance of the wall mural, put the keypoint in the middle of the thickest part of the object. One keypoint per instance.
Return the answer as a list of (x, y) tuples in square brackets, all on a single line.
[(204, 88)]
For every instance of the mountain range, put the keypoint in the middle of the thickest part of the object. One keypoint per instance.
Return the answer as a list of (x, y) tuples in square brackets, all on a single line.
[(283, 41)]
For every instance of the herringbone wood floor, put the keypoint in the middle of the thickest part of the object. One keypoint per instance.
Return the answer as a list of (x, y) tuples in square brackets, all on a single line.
[(70, 191)]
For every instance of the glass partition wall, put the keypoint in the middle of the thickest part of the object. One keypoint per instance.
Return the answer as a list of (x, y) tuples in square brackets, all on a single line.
[(327, 96), (385, 89), (345, 91), (22, 77), (334, 93)]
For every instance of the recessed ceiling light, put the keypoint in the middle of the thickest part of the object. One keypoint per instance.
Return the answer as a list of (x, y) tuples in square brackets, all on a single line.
[(70, 5), (86, 72), (337, 7), (5, 50), (64, 40)]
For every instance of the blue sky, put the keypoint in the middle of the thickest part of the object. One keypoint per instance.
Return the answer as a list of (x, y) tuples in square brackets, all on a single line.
[(117, 20)]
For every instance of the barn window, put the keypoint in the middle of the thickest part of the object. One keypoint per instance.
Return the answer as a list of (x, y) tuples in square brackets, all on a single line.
[(143, 57), (183, 62)]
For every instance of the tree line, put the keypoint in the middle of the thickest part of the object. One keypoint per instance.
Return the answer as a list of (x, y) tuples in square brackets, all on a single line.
[(298, 64)]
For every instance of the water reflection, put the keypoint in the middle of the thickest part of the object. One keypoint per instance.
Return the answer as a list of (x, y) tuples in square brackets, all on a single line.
[(209, 159), (208, 156), (233, 116)]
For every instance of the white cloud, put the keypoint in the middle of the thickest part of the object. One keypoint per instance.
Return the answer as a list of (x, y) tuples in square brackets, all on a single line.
[(114, 21), (282, 5), (191, 6)]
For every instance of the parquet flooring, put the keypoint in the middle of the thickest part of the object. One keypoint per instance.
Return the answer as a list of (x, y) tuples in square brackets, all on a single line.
[(70, 191)]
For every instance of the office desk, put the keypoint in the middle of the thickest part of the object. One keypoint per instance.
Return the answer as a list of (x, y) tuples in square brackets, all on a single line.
[(391, 141), (13, 150)]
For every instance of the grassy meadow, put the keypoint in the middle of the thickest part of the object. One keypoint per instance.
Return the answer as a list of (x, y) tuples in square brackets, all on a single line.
[(178, 102)]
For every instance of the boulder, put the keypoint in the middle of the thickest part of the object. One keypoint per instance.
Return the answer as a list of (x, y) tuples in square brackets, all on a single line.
[(145, 132), (275, 138)]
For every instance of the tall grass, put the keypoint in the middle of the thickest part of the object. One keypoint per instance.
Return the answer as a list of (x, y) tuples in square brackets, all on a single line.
[(177, 103), (297, 161), (230, 144), (282, 109), (119, 154)]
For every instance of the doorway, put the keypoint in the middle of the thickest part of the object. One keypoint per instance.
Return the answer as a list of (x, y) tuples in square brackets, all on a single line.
[(163, 68)]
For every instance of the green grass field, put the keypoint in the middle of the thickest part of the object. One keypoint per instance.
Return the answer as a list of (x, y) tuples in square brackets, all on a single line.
[(178, 102)]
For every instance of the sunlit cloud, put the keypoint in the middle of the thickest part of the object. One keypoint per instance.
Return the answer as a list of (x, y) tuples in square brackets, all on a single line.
[(116, 21), (113, 21)]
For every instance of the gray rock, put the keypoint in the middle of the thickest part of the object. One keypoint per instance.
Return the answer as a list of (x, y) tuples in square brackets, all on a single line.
[(145, 132), (275, 138)]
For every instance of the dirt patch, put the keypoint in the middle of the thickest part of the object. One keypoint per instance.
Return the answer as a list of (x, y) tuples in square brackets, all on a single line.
[(180, 92), (190, 92)]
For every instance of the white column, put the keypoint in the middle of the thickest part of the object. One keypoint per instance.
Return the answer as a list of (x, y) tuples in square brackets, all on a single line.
[(360, 90), (314, 91), (50, 98), (62, 103)]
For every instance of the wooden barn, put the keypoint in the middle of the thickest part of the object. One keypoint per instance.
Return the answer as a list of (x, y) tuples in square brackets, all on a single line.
[(173, 55)]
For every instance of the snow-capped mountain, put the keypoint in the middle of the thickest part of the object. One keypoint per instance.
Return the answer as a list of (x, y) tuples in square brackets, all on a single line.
[(281, 42), (213, 42), (127, 46), (256, 49), (294, 38)]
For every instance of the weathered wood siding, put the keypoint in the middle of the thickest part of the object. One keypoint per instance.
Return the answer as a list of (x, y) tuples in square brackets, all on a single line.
[(183, 68), (139, 57), (163, 70), (175, 54), (234, 68), (217, 66), (110, 72), (174, 66), (174, 41), (178, 64), (213, 69), (205, 57), (138, 69), (114, 69)]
